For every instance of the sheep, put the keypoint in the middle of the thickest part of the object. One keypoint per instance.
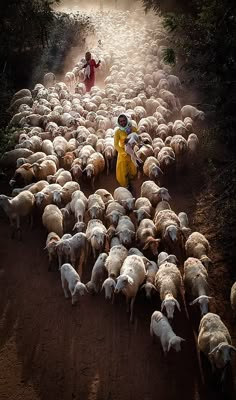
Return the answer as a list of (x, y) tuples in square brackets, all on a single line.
[(113, 212), (64, 177), (45, 196), (149, 286), (215, 342), (188, 122), (151, 168), (47, 147), (146, 236), (161, 328), (78, 205), (96, 206), (168, 227), (23, 176), (94, 167), (184, 224), (179, 145), (115, 259), (63, 196), (166, 157), (198, 246), (192, 144), (60, 145), (74, 248), (179, 128), (41, 171), (31, 159), (125, 198), (195, 282), (49, 80), (51, 241), (96, 235), (52, 219), (125, 231), (163, 257), (154, 193), (85, 152), (98, 274), (16, 104), (143, 208), (33, 188), (105, 195), (168, 281), (233, 297), (162, 205), (71, 283), (21, 93), (9, 158), (132, 275), (192, 112), (17, 207)]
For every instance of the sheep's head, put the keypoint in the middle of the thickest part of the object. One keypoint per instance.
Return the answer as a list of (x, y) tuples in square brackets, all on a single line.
[(171, 233), (175, 342), (203, 301), (122, 282), (109, 286), (169, 304), (220, 356), (79, 290), (149, 288)]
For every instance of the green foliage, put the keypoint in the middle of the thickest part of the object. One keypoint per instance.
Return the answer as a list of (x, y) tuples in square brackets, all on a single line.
[(8, 139), (203, 35)]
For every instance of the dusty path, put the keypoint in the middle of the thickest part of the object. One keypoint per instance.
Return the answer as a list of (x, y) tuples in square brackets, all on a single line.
[(51, 350)]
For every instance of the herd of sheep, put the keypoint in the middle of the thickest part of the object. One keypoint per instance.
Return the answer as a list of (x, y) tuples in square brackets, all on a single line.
[(65, 136)]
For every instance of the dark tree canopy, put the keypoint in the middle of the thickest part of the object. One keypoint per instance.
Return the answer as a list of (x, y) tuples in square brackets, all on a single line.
[(203, 35)]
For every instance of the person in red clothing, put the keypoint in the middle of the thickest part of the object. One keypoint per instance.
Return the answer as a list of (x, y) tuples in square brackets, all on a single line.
[(89, 72)]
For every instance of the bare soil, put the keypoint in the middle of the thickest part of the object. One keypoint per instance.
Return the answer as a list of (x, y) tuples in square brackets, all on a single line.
[(50, 350)]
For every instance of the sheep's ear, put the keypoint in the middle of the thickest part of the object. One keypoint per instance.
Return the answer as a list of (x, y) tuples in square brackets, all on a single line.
[(213, 350), (177, 304), (194, 301)]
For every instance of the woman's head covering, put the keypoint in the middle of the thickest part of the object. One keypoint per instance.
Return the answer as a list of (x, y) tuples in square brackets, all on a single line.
[(128, 127)]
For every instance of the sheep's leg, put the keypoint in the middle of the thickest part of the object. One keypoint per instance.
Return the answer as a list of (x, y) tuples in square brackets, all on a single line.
[(59, 261), (107, 161), (65, 288), (132, 309), (18, 228)]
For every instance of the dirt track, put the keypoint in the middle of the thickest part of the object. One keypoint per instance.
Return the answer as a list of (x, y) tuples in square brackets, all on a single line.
[(51, 350)]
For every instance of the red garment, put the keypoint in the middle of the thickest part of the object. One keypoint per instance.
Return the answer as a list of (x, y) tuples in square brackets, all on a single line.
[(89, 82)]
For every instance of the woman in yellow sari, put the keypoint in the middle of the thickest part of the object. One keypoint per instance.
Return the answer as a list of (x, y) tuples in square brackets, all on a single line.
[(125, 168)]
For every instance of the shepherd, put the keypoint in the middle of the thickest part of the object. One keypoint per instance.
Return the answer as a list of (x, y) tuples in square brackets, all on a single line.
[(126, 169), (89, 71)]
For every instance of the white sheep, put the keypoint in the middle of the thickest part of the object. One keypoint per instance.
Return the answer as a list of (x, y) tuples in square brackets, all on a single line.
[(154, 193), (143, 208), (17, 207), (95, 166), (96, 236), (115, 259), (63, 196), (192, 112), (198, 246), (184, 224), (52, 219), (215, 342), (71, 283), (98, 274), (168, 227), (125, 231), (195, 282), (114, 211), (168, 282), (132, 275), (41, 171), (96, 206), (151, 168), (192, 144), (161, 328), (124, 197), (149, 285), (163, 257)]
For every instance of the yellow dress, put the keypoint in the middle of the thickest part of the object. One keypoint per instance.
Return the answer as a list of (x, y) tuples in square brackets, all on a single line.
[(125, 168)]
